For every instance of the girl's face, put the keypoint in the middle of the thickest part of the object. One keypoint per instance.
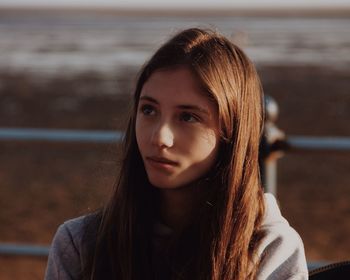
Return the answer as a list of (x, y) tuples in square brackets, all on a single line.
[(177, 129)]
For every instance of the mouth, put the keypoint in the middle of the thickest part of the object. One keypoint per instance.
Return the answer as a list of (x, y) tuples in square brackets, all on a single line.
[(162, 160)]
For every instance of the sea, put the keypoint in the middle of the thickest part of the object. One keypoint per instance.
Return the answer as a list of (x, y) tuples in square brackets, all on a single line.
[(49, 43)]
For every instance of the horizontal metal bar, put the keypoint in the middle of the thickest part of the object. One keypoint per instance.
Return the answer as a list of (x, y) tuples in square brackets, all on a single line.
[(61, 135), (103, 136), (31, 250), (319, 143)]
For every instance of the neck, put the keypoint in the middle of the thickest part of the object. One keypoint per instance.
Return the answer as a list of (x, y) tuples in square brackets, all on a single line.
[(178, 206)]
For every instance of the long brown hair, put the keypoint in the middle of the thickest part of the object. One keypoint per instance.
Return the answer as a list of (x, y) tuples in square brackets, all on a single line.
[(227, 232)]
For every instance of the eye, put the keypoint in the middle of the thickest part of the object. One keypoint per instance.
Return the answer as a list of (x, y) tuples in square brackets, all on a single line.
[(148, 110), (189, 117)]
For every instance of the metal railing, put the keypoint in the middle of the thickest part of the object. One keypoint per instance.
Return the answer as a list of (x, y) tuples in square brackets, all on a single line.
[(24, 250), (294, 143), (104, 136), (303, 144), (60, 135)]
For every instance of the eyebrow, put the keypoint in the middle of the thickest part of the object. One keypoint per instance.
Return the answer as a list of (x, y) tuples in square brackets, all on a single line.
[(184, 106)]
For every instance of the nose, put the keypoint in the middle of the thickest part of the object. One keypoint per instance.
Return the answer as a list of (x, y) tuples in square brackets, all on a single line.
[(163, 136)]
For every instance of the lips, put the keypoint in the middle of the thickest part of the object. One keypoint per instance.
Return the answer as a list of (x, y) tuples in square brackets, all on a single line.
[(162, 160), (160, 164)]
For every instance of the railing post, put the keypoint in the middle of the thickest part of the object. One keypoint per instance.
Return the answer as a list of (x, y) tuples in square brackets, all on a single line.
[(274, 141)]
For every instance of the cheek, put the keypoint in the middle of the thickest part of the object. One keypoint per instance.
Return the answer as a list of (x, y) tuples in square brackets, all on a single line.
[(203, 146)]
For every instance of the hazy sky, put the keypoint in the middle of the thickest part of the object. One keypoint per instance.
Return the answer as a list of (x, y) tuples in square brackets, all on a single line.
[(179, 3)]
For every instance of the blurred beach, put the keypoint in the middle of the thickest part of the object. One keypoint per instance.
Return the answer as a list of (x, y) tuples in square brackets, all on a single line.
[(76, 70), (70, 42)]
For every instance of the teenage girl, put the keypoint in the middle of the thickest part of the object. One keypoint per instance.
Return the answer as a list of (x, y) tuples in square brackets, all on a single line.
[(188, 203)]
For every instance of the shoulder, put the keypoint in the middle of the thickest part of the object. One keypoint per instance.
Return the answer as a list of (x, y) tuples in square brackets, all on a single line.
[(281, 251), (70, 234), (65, 257)]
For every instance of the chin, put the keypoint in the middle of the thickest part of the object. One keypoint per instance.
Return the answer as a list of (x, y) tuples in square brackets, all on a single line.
[(169, 182), (165, 184)]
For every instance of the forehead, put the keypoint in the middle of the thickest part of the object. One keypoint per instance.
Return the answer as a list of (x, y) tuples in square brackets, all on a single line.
[(177, 85)]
